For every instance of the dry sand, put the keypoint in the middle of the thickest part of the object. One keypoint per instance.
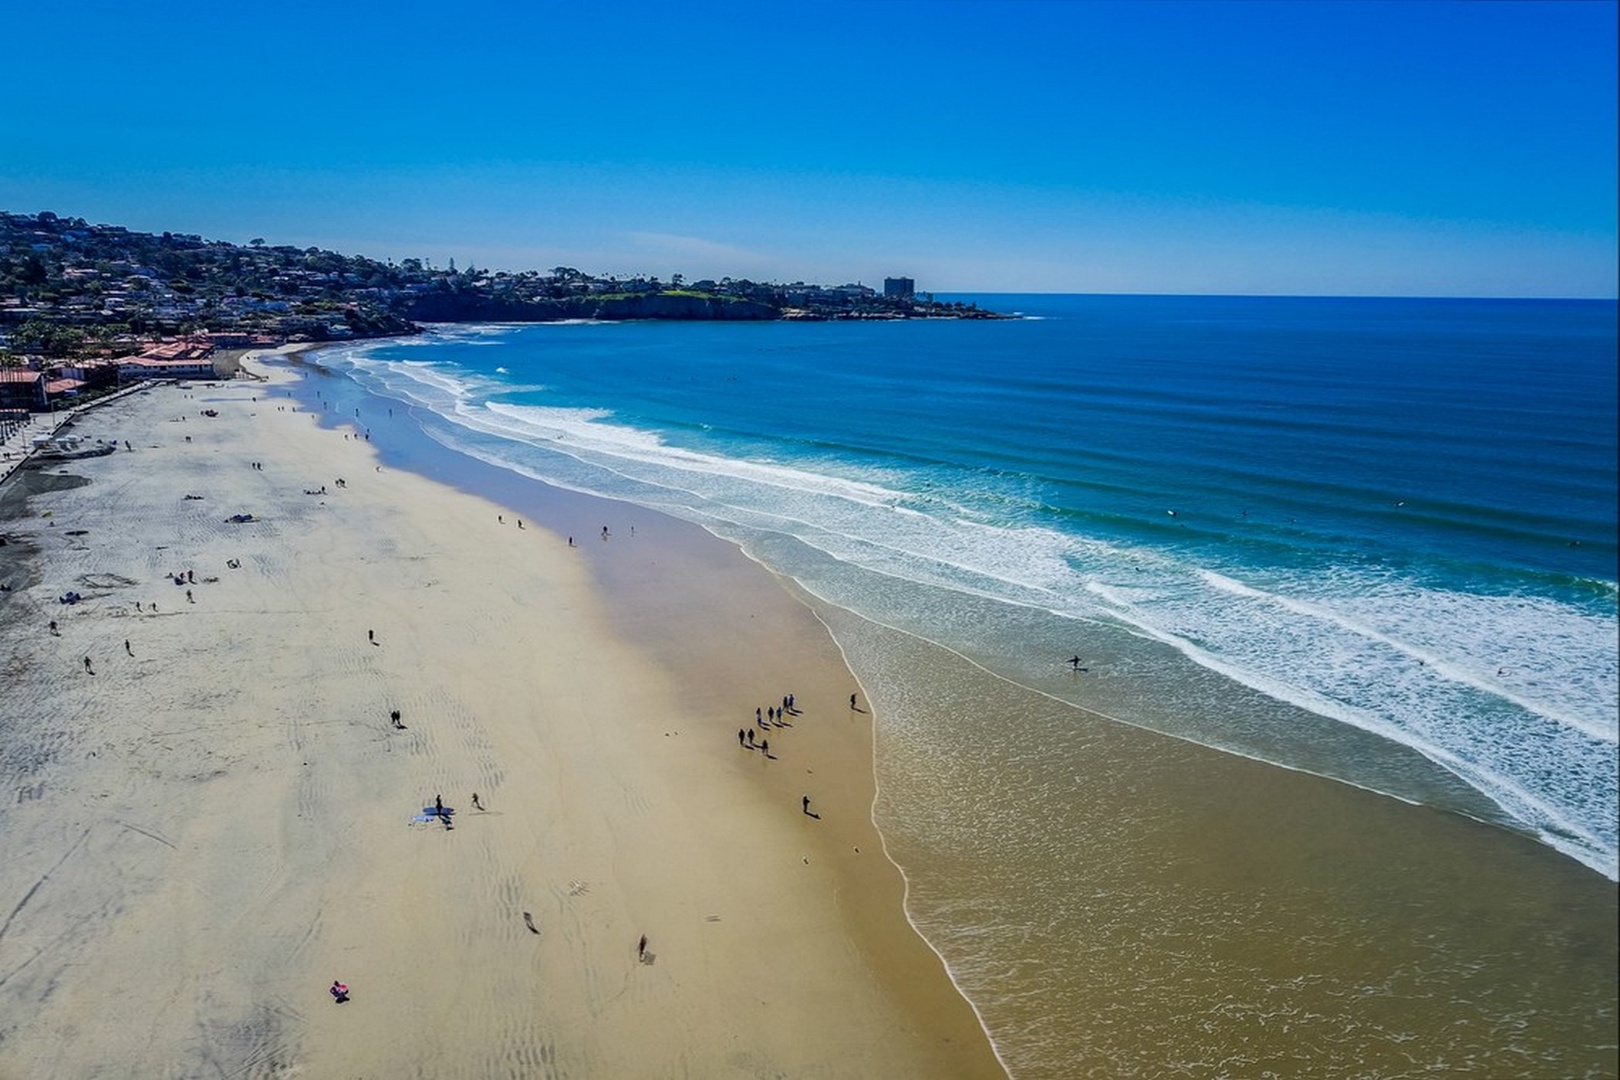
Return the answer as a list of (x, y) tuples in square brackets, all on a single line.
[(200, 836)]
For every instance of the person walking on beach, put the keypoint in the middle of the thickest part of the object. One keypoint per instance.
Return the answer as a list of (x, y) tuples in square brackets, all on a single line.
[(750, 736), (641, 949), (740, 741), (852, 701), (1074, 662), (127, 648), (394, 716), (476, 804), (807, 804), (88, 670), (54, 630), (765, 746)]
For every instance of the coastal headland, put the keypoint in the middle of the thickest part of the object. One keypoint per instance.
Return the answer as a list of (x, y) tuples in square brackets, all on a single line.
[(219, 762), (72, 288)]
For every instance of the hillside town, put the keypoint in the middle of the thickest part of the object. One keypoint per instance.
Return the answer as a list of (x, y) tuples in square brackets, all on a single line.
[(85, 308)]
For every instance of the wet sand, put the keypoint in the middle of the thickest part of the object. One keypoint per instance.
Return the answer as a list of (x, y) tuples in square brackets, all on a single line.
[(217, 823), (1129, 904)]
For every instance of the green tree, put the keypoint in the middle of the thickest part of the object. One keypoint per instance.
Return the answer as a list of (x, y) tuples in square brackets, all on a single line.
[(48, 339), (33, 271)]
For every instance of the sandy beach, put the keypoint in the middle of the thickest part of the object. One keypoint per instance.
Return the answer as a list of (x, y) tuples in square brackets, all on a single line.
[(209, 811)]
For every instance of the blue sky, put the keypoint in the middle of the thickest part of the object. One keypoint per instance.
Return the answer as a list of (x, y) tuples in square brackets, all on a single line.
[(1358, 148)]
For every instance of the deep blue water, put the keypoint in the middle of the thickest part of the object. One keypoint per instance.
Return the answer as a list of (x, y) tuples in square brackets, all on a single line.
[(1353, 524)]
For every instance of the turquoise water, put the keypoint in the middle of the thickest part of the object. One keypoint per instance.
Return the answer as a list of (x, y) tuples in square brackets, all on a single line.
[(1371, 539)]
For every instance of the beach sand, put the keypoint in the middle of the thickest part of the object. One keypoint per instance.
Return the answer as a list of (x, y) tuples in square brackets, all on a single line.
[(203, 834)]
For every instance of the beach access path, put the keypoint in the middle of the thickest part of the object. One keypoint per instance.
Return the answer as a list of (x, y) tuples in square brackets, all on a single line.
[(208, 806)]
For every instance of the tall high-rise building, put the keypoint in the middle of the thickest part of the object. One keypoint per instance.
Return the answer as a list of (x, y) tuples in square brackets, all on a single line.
[(899, 288)]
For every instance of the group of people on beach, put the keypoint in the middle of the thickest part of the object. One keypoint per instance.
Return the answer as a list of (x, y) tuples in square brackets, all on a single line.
[(766, 717), (774, 716), (180, 578)]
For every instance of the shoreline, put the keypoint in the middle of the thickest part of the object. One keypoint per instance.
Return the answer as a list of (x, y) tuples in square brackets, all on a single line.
[(254, 844)]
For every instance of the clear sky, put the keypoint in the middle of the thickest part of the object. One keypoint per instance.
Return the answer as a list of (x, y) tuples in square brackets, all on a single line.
[(1325, 148)]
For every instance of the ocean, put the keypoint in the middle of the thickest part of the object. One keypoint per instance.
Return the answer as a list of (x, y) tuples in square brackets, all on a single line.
[(1371, 540)]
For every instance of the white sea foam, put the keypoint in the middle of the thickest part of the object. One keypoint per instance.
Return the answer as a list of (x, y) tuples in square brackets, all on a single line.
[(628, 444), (1459, 658), (442, 334), (429, 384)]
